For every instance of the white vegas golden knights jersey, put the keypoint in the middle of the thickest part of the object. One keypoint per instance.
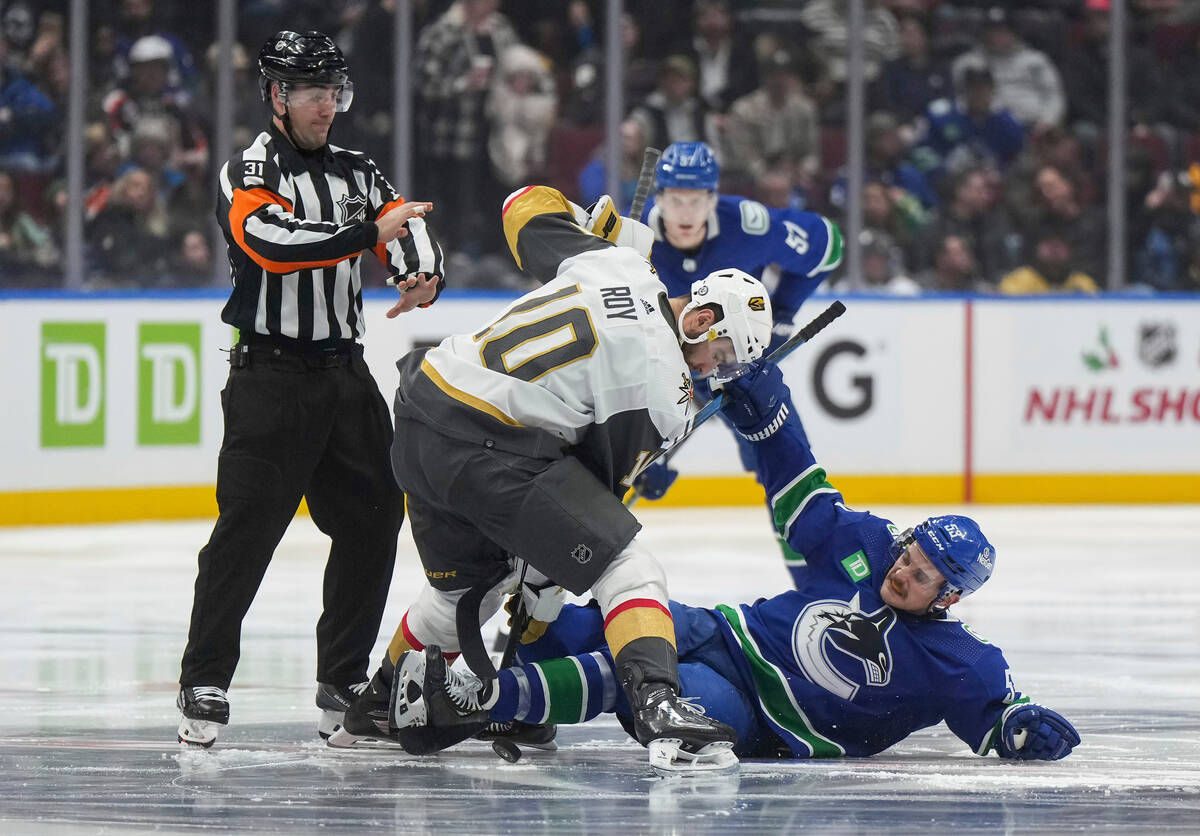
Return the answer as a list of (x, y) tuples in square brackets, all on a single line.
[(592, 358)]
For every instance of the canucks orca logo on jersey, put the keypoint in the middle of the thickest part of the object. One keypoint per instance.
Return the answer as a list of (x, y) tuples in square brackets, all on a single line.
[(829, 633)]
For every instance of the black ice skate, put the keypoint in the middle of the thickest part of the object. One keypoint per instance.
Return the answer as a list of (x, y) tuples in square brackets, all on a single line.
[(434, 707), (334, 701), (204, 708), (681, 739), (366, 719)]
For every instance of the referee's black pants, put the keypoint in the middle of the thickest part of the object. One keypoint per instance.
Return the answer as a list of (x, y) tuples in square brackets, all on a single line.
[(299, 425)]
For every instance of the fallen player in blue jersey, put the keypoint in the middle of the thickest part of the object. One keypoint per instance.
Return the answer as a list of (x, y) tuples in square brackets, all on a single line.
[(857, 658)]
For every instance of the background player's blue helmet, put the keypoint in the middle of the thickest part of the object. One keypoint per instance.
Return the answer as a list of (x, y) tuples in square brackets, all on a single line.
[(687, 165), (957, 547)]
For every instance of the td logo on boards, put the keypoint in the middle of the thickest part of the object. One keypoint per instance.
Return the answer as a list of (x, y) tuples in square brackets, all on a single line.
[(74, 382)]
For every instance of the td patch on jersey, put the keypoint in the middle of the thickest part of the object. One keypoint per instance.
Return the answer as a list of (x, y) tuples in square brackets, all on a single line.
[(841, 648)]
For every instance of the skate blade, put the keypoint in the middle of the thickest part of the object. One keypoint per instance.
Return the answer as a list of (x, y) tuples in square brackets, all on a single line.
[(339, 738), (669, 760), (329, 722), (201, 734)]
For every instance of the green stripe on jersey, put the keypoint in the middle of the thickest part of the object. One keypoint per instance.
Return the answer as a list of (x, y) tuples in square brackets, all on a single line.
[(774, 696), (787, 504), (565, 691), (833, 253)]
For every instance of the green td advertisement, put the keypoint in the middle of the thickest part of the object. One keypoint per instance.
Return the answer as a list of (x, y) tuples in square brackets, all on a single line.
[(73, 378)]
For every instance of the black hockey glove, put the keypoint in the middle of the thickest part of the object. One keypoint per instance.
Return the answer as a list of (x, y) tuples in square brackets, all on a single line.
[(1030, 732), (755, 403)]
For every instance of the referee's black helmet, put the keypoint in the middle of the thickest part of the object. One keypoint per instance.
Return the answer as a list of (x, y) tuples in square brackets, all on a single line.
[(300, 58)]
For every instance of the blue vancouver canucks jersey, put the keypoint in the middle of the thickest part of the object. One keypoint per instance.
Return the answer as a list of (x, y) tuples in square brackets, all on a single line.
[(836, 671), (749, 236)]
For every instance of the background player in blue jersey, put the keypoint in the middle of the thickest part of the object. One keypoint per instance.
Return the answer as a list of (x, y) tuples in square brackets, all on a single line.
[(698, 231), (859, 656)]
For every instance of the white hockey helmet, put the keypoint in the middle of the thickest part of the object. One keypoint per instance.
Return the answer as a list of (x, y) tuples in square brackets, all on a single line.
[(743, 311)]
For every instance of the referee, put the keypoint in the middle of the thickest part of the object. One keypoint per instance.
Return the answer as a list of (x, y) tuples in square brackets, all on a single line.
[(303, 416)]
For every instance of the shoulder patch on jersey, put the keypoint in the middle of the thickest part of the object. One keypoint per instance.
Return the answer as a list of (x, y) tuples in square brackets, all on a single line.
[(756, 220), (972, 633), (856, 566), (939, 107), (353, 208)]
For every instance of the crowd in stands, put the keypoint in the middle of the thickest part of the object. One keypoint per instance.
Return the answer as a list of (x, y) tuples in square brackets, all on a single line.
[(986, 140)]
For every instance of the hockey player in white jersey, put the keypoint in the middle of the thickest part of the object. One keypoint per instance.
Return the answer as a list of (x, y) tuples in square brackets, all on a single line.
[(518, 440)]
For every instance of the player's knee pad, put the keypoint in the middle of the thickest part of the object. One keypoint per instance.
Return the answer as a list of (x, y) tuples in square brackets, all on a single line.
[(635, 573)]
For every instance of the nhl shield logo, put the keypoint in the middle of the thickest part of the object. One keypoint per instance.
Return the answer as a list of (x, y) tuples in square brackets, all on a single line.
[(1157, 343), (353, 207), (581, 554)]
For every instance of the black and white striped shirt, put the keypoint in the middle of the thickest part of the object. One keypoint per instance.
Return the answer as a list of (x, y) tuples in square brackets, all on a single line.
[(297, 223)]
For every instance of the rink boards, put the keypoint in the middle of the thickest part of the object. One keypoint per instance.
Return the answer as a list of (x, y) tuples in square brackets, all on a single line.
[(113, 404)]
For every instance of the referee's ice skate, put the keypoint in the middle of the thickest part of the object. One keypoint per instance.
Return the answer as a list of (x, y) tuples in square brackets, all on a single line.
[(204, 709)]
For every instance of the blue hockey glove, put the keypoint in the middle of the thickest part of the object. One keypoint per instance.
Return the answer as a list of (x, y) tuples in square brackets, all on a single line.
[(654, 481), (1030, 732), (756, 403)]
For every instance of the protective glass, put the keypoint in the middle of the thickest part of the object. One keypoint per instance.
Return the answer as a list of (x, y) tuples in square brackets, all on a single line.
[(317, 94)]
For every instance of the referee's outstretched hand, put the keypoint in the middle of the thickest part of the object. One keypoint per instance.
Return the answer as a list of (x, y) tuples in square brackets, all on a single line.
[(416, 289), (392, 224)]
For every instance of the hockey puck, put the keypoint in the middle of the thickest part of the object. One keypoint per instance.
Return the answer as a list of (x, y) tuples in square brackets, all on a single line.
[(506, 749)]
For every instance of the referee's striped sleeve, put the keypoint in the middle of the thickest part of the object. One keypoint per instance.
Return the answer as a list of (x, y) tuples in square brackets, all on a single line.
[(263, 225)]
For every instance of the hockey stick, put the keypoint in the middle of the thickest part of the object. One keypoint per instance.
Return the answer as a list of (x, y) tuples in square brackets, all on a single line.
[(712, 407), (644, 183), (506, 749)]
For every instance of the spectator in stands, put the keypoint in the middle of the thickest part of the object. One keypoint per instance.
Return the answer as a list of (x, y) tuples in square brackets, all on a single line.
[(1051, 268), (148, 90), (128, 237), (27, 252), (1027, 82), (883, 268), (973, 214), (1056, 205), (455, 67), (27, 120), (885, 162), (152, 148), (673, 112), (191, 264), (18, 27), (247, 106), (881, 35), (726, 65), (913, 79), (773, 129), (970, 131), (1161, 230), (136, 20), (1085, 78), (593, 179), (954, 269), (520, 109), (897, 214), (585, 97)]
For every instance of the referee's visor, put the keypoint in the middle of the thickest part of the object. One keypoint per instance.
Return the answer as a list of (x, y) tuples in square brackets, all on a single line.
[(304, 93)]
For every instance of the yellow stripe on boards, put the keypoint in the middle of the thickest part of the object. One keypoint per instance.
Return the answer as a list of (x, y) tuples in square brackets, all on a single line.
[(1088, 488), (180, 502)]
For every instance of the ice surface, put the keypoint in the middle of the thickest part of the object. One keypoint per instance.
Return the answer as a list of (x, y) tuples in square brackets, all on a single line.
[(1097, 609)]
